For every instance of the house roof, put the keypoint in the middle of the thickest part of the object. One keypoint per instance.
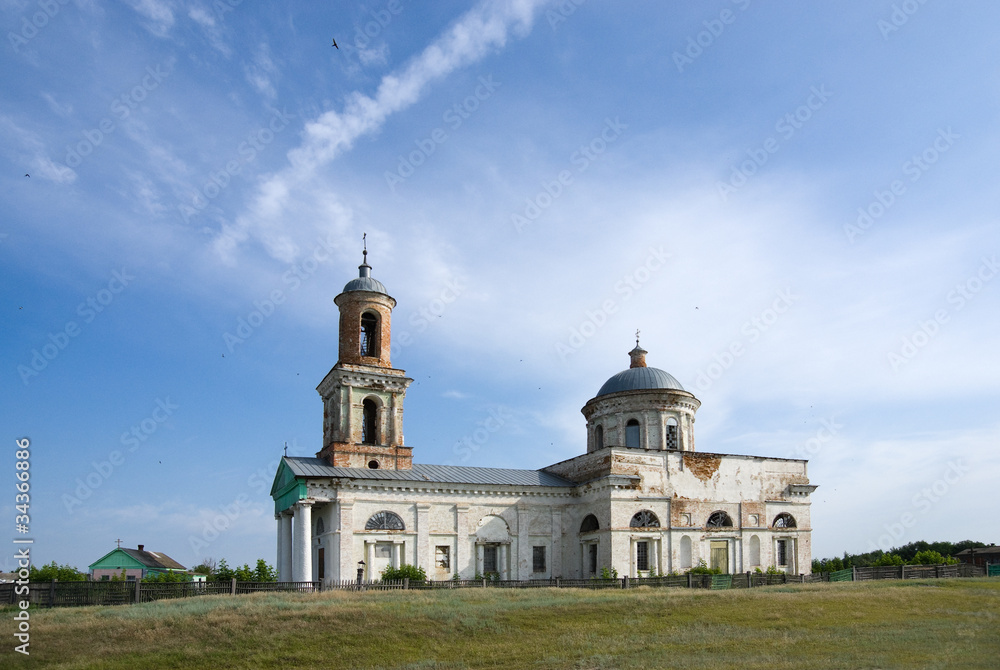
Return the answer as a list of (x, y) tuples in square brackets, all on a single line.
[(980, 551), (149, 559), (439, 474)]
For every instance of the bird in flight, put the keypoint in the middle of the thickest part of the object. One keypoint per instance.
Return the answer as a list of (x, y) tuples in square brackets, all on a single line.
[(335, 43), (26, 174)]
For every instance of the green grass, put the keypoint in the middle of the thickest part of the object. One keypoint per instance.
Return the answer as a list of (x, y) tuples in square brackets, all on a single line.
[(889, 624)]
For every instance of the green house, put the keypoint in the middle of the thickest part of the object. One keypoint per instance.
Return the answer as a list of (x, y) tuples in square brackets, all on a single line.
[(137, 564)]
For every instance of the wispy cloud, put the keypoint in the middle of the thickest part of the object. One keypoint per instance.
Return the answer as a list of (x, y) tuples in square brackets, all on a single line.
[(470, 38), (159, 15)]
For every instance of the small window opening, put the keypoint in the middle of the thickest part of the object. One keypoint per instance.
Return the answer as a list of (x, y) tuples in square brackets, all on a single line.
[(599, 436), (782, 552), (671, 433), (369, 418), (632, 434), (589, 524), (369, 332), (538, 559), (642, 556), (442, 557), (784, 520), (373, 465), (593, 558)]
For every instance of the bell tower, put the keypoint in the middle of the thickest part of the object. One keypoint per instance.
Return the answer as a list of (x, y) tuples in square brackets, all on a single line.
[(363, 394)]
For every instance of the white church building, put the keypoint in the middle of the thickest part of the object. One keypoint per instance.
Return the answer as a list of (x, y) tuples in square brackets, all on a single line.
[(640, 500)]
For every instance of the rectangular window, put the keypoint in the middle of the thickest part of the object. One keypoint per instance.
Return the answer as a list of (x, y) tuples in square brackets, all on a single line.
[(442, 557), (321, 568), (130, 578), (782, 552), (592, 548), (642, 556), (490, 559), (105, 578), (383, 550), (538, 559), (671, 437)]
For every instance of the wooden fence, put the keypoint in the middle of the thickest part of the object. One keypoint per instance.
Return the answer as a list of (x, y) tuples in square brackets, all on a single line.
[(69, 594)]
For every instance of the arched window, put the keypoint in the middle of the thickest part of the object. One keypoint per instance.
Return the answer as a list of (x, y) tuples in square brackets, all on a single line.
[(671, 433), (319, 526), (589, 524), (644, 519), (632, 434), (784, 520), (369, 334), (599, 436), (719, 520), (369, 422), (385, 520)]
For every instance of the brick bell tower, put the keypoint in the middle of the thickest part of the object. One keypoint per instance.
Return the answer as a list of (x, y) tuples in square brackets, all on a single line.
[(363, 395)]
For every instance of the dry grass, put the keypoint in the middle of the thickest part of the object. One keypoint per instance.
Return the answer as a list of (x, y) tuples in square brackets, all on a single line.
[(912, 624)]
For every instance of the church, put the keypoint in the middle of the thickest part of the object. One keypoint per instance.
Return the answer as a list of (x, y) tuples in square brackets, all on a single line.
[(640, 501)]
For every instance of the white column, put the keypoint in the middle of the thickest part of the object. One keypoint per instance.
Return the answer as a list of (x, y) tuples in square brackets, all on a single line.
[(286, 547), (302, 552), (369, 558), (523, 568), (279, 546), (396, 552), (556, 570), (463, 560), (480, 566), (502, 552)]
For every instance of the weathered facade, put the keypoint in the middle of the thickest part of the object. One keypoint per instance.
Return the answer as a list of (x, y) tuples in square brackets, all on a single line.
[(640, 501)]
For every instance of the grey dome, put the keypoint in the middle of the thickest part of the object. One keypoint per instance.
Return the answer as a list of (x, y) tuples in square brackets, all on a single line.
[(365, 281), (640, 379)]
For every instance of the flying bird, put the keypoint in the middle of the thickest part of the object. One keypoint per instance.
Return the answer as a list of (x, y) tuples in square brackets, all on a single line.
[(26, 174), (335, 43)]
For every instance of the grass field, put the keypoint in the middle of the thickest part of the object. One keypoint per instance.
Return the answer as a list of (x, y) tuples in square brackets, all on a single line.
[(947, 623)]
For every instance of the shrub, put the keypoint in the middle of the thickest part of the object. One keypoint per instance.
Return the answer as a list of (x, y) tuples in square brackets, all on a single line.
[(703, 569), (888, 560), (62, 573), (405, 571), (167, 578)]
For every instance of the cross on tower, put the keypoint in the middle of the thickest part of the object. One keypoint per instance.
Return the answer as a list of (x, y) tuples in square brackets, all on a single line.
[(119, 543)]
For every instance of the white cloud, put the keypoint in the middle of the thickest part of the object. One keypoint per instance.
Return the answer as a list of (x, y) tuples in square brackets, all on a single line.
[(160, 15), (482, 29)]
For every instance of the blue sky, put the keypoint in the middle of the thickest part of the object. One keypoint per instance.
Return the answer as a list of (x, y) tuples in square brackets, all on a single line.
[(794, 203)]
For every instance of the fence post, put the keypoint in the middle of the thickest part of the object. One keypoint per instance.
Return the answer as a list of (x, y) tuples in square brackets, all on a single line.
[(138, 587), (232, 588), (52, 594), (854, 573), (748, 579), (689, 580), (902, 572), (406, 583), (557, 583), (625, 582)]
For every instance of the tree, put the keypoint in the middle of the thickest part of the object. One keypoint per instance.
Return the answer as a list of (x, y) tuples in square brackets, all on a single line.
[(888, 560), (206, 567), (264, 572), (930, 557), (62, 573), (223, 573)]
